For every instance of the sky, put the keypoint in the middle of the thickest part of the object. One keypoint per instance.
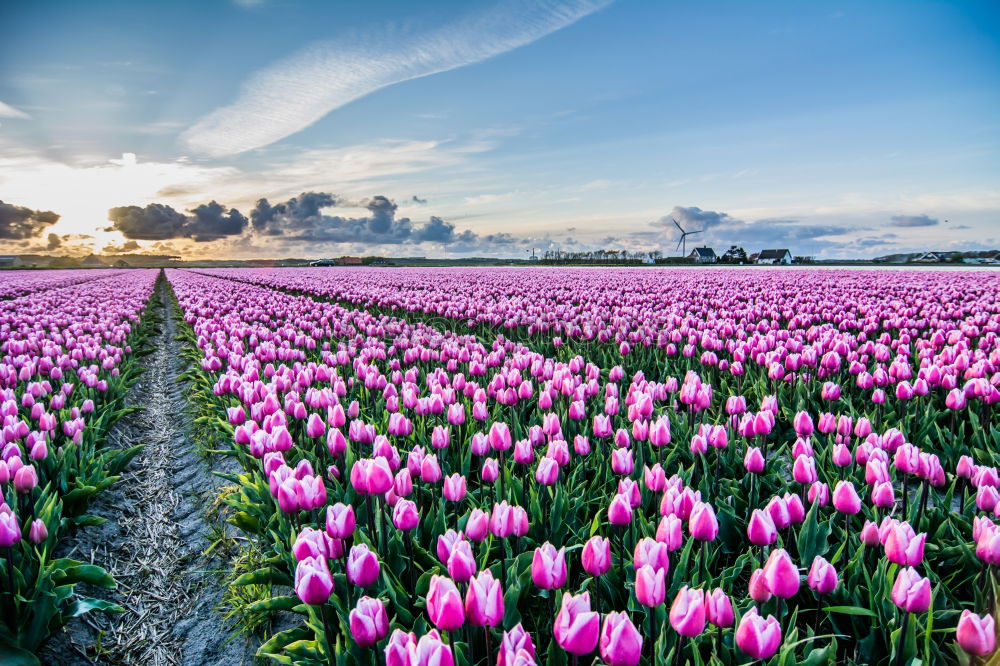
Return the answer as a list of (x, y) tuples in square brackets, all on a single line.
[(289, 128)]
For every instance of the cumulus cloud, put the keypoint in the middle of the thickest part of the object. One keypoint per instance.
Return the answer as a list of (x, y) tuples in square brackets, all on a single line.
[(302, 218), (124, 248), (693, 218), (21, 223), (294, 93), (159, 222), (913, 221), (721, 230), (54, 241)]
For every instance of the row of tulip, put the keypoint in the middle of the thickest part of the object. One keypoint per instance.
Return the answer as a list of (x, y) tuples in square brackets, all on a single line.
[(65, 368), (24, 283), (670, 489)]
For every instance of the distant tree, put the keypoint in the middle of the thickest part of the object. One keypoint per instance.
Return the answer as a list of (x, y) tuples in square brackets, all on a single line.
[(734, 255)]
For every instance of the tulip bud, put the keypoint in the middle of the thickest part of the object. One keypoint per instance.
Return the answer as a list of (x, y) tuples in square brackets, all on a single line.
[(369, 622), (976, 635), (548, 567), (719, 609), (596, 556), (484, 600), (757, 637), (576, 626), (444, 604), (313, 582), (911, 591), (687, 613), (620, 642)]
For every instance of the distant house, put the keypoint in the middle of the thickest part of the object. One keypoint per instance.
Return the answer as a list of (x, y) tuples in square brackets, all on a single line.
[(703, 255), (92, 261), (775, 257), (10, 261), (928, 258), (351, 261)]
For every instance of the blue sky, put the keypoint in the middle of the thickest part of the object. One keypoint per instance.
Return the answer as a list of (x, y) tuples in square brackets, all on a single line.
[(488, 128)]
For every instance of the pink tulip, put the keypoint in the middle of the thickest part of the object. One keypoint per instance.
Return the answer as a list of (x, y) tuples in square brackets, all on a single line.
[(687, 613), (903, 546), (596, 556), (484, 600), (362, 566), (454, 488), (477, 527), (845, 498), (313, 582), (911, 591), (340, 521), (757, 637), (577, 627), (368, 621), (548, 567), (548, 472), (822, 577), (405, 515), (38, 532), (620, 642), (10, 531), (703, 524), (515, 642), (761, 529), (753, 461), (757, 587), (620, 510), (444, 604), (650, 589), (976, 634), (719, 609), (781, 575)]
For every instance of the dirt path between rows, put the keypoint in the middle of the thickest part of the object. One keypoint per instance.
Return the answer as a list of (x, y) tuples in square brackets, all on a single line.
[(155, 538)]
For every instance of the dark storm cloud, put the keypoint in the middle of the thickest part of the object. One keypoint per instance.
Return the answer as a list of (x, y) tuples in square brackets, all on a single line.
[(207, 222), (211, 221), (54, 242), (302, 218), (913, 221), (154, 222), (298, 212), (20, 223)]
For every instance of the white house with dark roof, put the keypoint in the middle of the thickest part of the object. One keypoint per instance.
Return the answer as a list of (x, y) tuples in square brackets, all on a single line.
[(782, 257), (703, 255)]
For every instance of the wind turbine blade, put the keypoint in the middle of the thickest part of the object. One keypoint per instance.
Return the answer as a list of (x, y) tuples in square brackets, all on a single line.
[(679, 243), (677, 225), (692, 233)]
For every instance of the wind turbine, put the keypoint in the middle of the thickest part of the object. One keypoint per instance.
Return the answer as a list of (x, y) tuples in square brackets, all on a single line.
[(684, 235)]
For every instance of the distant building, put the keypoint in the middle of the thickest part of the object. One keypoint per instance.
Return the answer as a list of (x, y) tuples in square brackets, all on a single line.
[(10, 261), (780, 257), (703, 255), (92, 261), (351, 261), (928, 258)]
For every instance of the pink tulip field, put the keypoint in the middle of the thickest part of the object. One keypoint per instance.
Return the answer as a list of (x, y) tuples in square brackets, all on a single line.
[(541, 466)]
